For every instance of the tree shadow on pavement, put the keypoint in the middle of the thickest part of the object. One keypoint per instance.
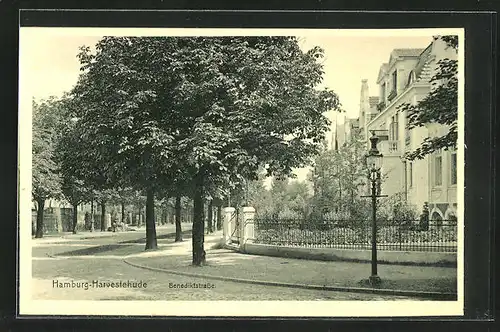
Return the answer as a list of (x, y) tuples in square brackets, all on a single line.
[(159, 237), (93, 250), (122, 248)]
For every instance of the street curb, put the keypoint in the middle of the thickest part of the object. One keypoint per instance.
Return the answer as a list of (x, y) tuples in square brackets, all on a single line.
[(380, 291)]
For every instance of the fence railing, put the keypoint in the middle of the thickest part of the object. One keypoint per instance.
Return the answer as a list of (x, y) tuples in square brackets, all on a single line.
[(413, 235)]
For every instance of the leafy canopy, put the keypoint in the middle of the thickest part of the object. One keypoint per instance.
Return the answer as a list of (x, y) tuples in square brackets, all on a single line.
[(47, 115), (338, 175), (158, 109)]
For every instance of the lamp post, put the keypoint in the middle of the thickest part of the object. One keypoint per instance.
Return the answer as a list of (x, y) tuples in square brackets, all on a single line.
[(374, 164)]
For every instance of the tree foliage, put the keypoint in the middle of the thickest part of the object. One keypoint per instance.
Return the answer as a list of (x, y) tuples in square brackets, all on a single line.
[(46, 182), (205, 109), (338, 176), (46, 121), (439, 106)]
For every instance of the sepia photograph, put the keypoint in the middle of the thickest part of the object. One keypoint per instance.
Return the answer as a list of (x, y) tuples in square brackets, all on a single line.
[(241, 172)]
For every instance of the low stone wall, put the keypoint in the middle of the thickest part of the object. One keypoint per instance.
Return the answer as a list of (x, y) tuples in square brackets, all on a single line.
[(331, 254)]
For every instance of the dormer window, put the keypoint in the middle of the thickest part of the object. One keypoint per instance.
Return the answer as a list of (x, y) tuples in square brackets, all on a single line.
[(393, 92), (394, 80), (411, 78)]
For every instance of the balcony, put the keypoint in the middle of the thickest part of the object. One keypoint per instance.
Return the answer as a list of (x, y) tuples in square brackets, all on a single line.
[(389, 148), (393, 147), (391, 95)]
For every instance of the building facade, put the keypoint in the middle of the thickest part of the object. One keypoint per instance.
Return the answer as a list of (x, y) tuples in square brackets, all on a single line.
[(405, 79)]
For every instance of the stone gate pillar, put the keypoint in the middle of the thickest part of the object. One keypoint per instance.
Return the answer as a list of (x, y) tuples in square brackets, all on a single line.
[(107, 220), (227, 224), (247, 226), (58, 219)]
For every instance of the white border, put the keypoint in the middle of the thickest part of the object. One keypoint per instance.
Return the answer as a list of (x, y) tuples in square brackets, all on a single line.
[(27, 306)]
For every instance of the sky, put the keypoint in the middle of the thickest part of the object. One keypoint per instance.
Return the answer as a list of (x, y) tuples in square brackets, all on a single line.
[(49, 64)]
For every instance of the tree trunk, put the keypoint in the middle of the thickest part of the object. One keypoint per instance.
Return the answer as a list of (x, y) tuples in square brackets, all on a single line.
[(219, 217), (198, 223), (123, 213), (178, 226), (39, 218), (92, 215), (210, 216), (139, 217), (103, 216), (174, 220), (151, 243), (75, 217)]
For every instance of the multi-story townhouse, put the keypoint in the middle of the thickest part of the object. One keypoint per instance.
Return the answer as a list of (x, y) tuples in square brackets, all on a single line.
[(405, 78)]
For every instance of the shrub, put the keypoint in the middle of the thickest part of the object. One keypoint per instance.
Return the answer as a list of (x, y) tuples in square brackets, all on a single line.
[(292, 234), (397, 211)]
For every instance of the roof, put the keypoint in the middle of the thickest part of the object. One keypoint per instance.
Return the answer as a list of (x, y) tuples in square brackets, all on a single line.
[(382, 71), (422, 61), (421, 53), (404, 52), (409, 52)]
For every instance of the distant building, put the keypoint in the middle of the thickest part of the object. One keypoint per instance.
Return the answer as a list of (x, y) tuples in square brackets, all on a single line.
[(367, 108), (344, 132), (405, 78)]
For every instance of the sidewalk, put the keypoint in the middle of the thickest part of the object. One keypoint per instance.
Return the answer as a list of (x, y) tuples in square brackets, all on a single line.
[(223, 264), (98, 234), (68, 236)]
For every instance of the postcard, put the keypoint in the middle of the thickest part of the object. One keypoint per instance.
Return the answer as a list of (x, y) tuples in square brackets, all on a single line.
[(241, 172)]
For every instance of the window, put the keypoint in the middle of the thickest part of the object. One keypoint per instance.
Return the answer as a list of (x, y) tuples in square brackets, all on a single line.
[(394, 80), (382, 93), (453, 165), (410, 78), (410, 175), (393, 129), (438, 170), (407, 132), (393, 92), (395, 124)]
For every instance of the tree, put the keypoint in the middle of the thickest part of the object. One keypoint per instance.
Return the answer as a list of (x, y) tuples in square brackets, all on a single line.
[(103, 197), (118, 88), (298, 198), (138, 200), (210, 216), (278, 191), (123, 197), (338, 176), (439, 106), (203, 108), (75, 192), (178, 225), (46, 182), (261, 198), (176, 189), (247, 102)]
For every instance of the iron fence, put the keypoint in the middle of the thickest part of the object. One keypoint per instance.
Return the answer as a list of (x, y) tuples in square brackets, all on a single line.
[(392, 235)]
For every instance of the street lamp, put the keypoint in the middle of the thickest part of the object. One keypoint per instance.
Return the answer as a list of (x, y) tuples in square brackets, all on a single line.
[(374, 164)]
